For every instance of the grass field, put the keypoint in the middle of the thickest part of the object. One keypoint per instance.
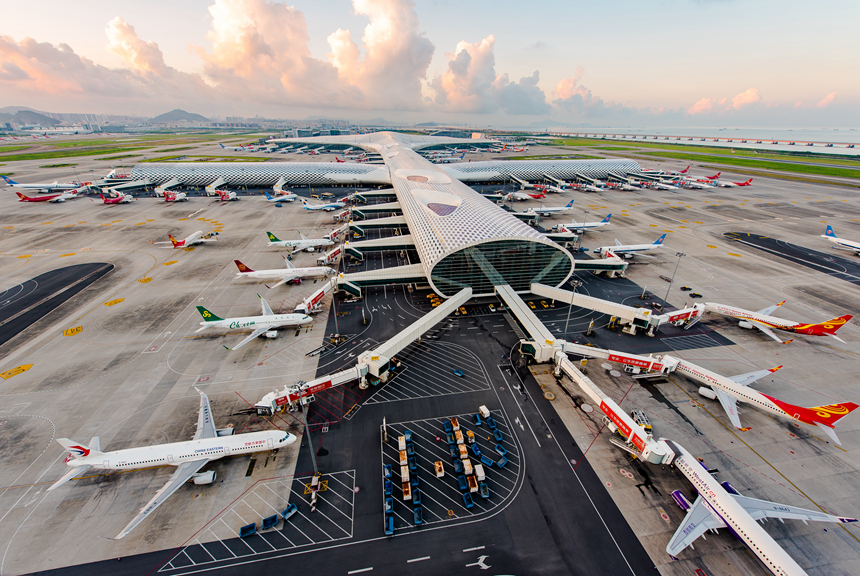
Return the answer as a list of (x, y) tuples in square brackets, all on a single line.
[(65, 154), (761, 164), (194, 158), (556, 156), (121, 156), (57, 165), (4, 149)]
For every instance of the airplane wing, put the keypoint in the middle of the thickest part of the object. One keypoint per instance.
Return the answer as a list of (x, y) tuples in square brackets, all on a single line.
[(642, 255), (267, 310), (759, 509), (284, 280), (253, 335), (205, 421), (769, 310), (183, 474), (767, 331), (698, 521), (730, 405), (71, 474), (750, 377)]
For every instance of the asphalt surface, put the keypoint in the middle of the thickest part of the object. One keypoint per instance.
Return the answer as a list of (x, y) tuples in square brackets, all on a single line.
[(26, 303)]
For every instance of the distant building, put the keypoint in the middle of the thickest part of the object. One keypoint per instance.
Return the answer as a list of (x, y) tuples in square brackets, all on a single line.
[(302, 133)]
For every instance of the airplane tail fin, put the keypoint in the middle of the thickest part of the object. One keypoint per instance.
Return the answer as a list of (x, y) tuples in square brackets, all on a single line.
[(834, 412), (607, 218), (80, 450), (268, 196), (21, 196), (272, 237), (829, 327), (8, 180), (569, 204), (102, 197), (829, 232), (660, 239), (207, 315), (748, 181), (684, 171), (176, 242), (221, 145), (242, 267)]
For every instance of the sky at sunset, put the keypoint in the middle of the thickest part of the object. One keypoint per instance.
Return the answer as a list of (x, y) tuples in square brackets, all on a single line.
[(692, 63)]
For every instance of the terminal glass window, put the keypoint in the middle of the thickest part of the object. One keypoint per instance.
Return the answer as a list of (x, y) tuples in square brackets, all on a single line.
[(514, 262)]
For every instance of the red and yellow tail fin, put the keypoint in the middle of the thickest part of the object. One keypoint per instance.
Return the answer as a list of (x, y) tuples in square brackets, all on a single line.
[(832, 413), (831, 326), (176, 243), (22, 197), (242, 267)]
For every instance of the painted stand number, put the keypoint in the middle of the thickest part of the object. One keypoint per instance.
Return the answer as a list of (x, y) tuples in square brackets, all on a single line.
[(73, 331), (112, 302), (15, 371), (145, 280)]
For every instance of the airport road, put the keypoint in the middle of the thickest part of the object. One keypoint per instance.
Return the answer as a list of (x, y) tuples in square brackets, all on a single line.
[(100, 382)]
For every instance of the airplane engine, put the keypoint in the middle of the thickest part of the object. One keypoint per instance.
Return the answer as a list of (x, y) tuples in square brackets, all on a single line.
[(707, 392), (681, 500), (204, 477), (270, 334), (745, 324)]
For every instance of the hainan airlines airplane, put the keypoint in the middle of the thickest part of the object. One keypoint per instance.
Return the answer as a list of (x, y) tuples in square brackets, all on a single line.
[(119, 199), (49, 187), (196, 238), (583, 226), (175, 196), (730, 390), (188, 457), (288, 274), (53, 198), (721, 506), (627, 251), (544, 211), (734, 184), (226, 196), (304, 243), (327, 207), (840, 243), (258, 324)]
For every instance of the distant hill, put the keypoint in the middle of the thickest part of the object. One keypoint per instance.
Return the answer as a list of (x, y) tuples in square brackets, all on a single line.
[(13, 109), (31, 117), (178, 116), (430, 124)]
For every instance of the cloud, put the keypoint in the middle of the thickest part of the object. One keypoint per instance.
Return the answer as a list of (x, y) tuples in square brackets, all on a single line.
[(825, 102), (396, 55), (470, 84), (746, 98)]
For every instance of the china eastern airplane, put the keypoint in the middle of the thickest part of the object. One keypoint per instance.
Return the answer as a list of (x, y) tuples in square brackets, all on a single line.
[(285, 197), (734, 184), (721, 506), (840, 243), (187, 457), (119, 199), (327, 207), (583, 226), (763, 321), (304, 243), (284, 275), (627, 251), (196, 238), (258, 324), (730, 390), (55, 186), (53, 198), (544, 211)]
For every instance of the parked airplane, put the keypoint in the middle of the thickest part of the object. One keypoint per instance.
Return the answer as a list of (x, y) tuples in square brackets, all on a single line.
[(288, 197), (721, 506), (690, 183), (226, 195), (196, 238), (327, 207), (734, 184), (583, 226), (763, 320), (629, 250), (449, 159), (188, 457), (118, 199), (544, 211), (304, 243), (55, 186), (258, 324), (730, 390), (289, 274), (233, 148), (175, 196), (53, 198), (840, 243)]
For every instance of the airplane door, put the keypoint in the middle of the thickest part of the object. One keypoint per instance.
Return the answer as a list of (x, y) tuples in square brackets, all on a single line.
[(170, 458), (106, 464), (271, 443)]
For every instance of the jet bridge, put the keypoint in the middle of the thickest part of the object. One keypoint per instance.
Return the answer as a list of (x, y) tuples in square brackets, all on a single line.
[(128, 186), (409, 274), (213, 188), (358, 249), (374, 209), (396, 222), (375, 194), (378, 360), (632, 318), (542, 346), (169, 185)]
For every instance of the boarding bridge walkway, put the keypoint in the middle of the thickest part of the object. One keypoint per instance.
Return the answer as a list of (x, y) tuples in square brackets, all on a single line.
[(359, 249), (609, 266), (375, 209), (525, 216), (375, 194), (169, 185), (632, 318), (128, 186), (541, 337), (409, 274), (361, 227), (213, 188), (378, 360)]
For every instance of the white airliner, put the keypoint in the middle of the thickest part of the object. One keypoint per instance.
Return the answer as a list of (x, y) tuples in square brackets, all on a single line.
[(327, 207), (55, 186), (697, 185), (544, 211), (582, 226), (258, 324), (196, 238), (232, 148), (287, 197), (304, 243), (188, 457), (449, 159), (629, 250), (175, 196), (730, 390), (721, 506), (288, 274), (840, 243)]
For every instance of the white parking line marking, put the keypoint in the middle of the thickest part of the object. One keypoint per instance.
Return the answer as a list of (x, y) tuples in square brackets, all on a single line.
[(475, 549), (418, 559), (360, 570)]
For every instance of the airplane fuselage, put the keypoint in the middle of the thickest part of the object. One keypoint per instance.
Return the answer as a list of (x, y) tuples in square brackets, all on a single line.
[(741, 314), (311, 272), (302, 244), (254, 322)]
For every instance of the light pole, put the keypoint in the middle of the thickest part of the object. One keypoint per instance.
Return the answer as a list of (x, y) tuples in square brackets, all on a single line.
[(679, 255), (574, 284), (581, 234)]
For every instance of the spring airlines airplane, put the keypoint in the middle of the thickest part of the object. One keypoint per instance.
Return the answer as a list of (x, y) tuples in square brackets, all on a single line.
[(731, 390), (288, 274), (259, 324), (188, 457), (721, 506), (304, 243)]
